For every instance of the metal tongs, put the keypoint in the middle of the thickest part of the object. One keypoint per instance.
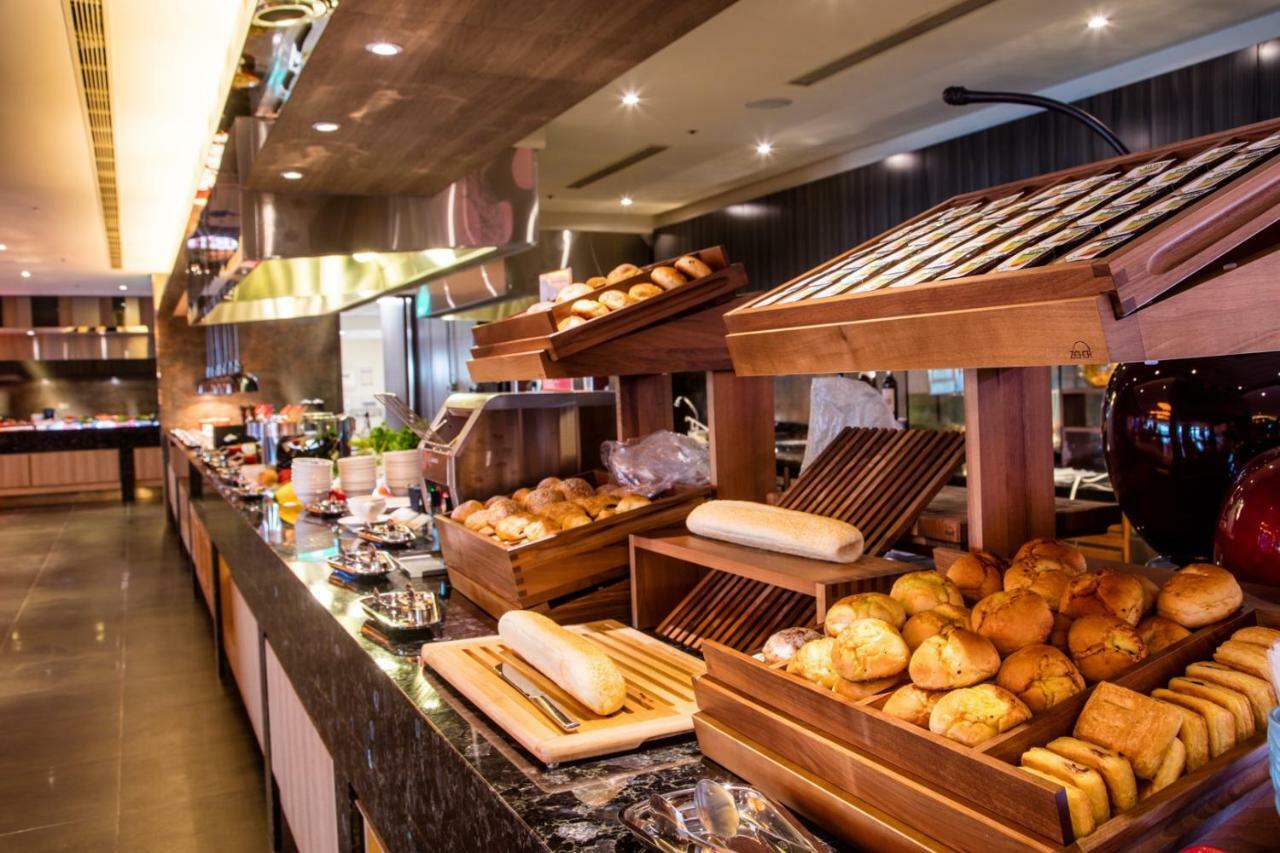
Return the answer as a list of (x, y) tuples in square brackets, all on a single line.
[(412, 419)]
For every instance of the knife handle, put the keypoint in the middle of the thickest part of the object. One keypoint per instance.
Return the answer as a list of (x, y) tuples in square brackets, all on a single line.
[(560, 718)]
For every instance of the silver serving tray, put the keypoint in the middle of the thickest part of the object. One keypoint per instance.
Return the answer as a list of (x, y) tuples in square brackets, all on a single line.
[(328, 509), (387, 533), (787, 835), (366, 563), (403, 609)]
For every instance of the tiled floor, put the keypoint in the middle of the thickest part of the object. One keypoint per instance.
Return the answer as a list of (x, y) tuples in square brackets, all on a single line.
[(115, 733)]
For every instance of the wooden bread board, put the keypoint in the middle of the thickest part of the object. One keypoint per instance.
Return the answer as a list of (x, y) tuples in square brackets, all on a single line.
[(659, 699)]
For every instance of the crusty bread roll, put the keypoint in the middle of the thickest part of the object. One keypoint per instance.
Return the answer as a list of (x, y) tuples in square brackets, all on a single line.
[(614, 299), (668, 278), (464, 510), (926, 623), (1061, 629), (561, 510), (588, 308), (1175, 758), (540, 528), (773, 528), (1243, 656), (858, 690), (956, 657), (539, 499), (1136, 726), (913, 704), (549, 482), (1257, 635), (812, 662), (863, 605), (539, 307), (1012, 619), (1259, 691), (1116, 772), (1052, 551), (628, 502), (1078, 806), (576, 487), (495, 499), (972, 715), (500, 509), (1041, 676), (977, 574), (477, 520), (869, 649), (521, 494), (1158, 632), (783, 645), (1220, 724), (1198, 595), (568, 522), (1150, 592), (1234, 701), (918, 591), (510, 528), (596, 282), (1044, 566), (1085, 778), (620, 272), (573, 321), (644, 290), (596, 504), (1108, 592), (1104, 646), (577, 290), (691, 267), (574, 663), (1194, 735)]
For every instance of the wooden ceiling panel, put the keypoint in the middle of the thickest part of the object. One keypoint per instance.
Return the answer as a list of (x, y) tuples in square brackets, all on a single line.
[(475, 77)]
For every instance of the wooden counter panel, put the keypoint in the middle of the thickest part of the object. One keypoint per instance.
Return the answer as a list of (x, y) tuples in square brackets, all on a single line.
[(15, 471), (76, 468)]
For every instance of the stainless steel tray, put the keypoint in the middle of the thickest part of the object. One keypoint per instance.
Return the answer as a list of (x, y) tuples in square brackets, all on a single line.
[(403, 610)]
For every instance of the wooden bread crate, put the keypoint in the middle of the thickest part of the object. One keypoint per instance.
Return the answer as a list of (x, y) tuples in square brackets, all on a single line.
[(881, 760)]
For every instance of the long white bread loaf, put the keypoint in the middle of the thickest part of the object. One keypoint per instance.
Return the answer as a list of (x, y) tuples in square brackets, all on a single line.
[(773, 528), (573, 662)]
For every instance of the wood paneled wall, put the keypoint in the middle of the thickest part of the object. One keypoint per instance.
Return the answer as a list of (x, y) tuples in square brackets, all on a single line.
[(781, 235)]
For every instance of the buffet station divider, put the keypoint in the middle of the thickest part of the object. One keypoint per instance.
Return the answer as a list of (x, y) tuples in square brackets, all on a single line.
[(1165, 254)]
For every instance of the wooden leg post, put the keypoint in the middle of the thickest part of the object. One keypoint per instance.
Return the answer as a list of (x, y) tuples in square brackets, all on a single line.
[(1009, 453), (644, 404), (740, 418)]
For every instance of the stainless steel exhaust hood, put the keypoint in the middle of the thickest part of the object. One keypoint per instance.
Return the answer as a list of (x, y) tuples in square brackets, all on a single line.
[(305, 254)]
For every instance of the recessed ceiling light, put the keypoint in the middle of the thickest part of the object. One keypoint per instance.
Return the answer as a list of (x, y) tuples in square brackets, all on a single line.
[(900, 161), (1097, 22), (630, 99), (626, 201), (123, 287), (3, 247), (383, 48), (25, 273), (768, 103), (325, 126), (764, 149), (291, 175), (31, 332)]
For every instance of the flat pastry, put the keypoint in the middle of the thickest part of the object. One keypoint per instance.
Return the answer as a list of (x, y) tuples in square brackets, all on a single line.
[(1116, 772)]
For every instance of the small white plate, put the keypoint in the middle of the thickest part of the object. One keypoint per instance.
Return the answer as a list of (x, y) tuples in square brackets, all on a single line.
[(355, 524)]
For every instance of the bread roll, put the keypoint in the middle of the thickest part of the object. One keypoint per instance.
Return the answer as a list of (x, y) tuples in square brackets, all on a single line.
[(539, 499), (668, 278), (1150, 592), (573, 321), (521, 495), (918, 591), (1052, 553), (539, 307), (575, 664), (869, 649), (954, 658), (1104, 646), (576, 487), (464, 510), (926, 623), (813, 662), (596, 282), (615, 299), (596, 504), (561, 510), (972, 715), (1199, 594), (1194, 735), (510, 528), (977, 574), (1108, 592), (1235, 702), (783, 645), (628, 502), (1072, 772), (540, 528), (1171, 768), (773, 528), (588, 308), (1261, 697), (573, 291), (1061, 629), (500, 509), (477, 520), (1012, 619), (1044, 566), (495, 499), (913, 704), (1243, 656), (569, 522), (856, 691), (1257, 635), (1218, 720), (863, 605), (549, 482), (644, 290), (1116, 772), (691, 267), (1158, 632), (620, 272), (1041, 676), (1136, 726)]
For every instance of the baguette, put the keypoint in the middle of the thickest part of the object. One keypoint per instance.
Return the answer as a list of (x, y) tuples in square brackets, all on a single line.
[(1235, 702), (773, 528), (1115, 771), (1082, 822), (1085, 778), (1222, 726), (572, 662), (1261, 697)]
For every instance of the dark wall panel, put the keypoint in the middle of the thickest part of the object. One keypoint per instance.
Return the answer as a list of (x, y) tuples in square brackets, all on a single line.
[(781, 235)]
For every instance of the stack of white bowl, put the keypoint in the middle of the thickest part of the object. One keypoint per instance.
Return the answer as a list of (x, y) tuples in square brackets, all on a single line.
[(312, 479), (402, 469), (358, 475)]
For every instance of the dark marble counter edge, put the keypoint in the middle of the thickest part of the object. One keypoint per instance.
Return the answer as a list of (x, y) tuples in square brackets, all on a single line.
[(428, 768), (45, 441)]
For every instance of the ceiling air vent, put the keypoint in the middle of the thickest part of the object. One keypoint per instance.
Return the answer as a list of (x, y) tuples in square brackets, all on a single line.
[(290, 13), (89, 49), (613, 168)]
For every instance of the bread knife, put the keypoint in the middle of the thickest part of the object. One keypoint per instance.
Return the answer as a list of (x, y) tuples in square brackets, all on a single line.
[(531, 691)]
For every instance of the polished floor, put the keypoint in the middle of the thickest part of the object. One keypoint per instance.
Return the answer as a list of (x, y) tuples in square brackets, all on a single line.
[(115, 732)]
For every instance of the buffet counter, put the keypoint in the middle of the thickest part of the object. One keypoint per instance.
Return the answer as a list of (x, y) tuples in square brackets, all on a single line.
[(54, 461)]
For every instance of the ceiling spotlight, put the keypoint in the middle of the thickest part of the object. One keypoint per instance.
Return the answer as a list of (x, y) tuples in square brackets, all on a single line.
[(764, 149), (900, 161), (383, 48), (291, 175), (630, 99), (3, 247), (25, 273), (31, 333), (1097, 22), (123, 287), (626, 201), (325, 126)]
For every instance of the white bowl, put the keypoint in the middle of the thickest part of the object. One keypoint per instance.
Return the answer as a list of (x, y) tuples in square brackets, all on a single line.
[(367, 508)]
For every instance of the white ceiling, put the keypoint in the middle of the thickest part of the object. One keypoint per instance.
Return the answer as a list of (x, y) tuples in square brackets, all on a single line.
[(171, 63), (752, 49)]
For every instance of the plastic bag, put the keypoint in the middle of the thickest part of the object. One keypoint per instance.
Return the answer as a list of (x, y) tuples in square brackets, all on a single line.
[(836, 402), (657, 462)]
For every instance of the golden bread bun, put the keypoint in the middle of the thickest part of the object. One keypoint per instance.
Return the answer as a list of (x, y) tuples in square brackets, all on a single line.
[(972, 715), (1044, 566), (977, 574), (1041, 676), (540, 528), (1158, 632), (573, 321), (1104, 646), (511, 527), (858, 690), (1108, 592), (549, 482), (863, 605), (869, 649), (596, 504), (576, 487), (1064, 769), (692, 267), (812, 662), (1136, 726), (463, 510), (538, 307), (477, 520), (588, 308), (783, 645), (913, 704), (917, 591), (620, 272), (1051, 551), (668, 278), (493, 500), (956, 657), (596, 282), (926, 623), (539, 499), (577, 290), (521, 494), (1198, 595), (500, 509), (628, 502), (1116, 772), (614, 299), (1012, 619), (1061, 627), (569, 522), (643, 290)]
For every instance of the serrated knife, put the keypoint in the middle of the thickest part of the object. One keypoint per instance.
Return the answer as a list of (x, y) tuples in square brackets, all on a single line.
[(526, 688)]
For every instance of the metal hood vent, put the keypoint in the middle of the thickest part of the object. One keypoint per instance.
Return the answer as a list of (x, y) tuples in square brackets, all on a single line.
[(305, 254)]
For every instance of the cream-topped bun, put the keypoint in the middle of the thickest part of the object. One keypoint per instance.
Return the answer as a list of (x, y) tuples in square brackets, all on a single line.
[(1041, 676), (972, 715), (926, 623), (863, 605), (1012, 619), (977, 574), (956, 657), (918, 591), (1109, 592), (1198, 595), (1104, 646), (869, 649)]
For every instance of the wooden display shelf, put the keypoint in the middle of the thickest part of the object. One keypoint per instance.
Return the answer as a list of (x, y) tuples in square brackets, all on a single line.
[(976, 798)]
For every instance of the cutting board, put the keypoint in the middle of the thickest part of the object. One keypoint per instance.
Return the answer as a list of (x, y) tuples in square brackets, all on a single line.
[(659, 699)]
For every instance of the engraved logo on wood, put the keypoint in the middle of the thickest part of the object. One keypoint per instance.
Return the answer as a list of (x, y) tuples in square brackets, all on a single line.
[(1081, 350)]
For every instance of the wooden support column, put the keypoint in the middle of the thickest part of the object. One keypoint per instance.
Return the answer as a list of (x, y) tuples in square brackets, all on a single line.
[(644, 404), (1009, 453), (740, 419)]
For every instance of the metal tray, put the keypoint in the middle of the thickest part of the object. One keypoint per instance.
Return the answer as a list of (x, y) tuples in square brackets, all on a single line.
[(785, 834), (403, 610)]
